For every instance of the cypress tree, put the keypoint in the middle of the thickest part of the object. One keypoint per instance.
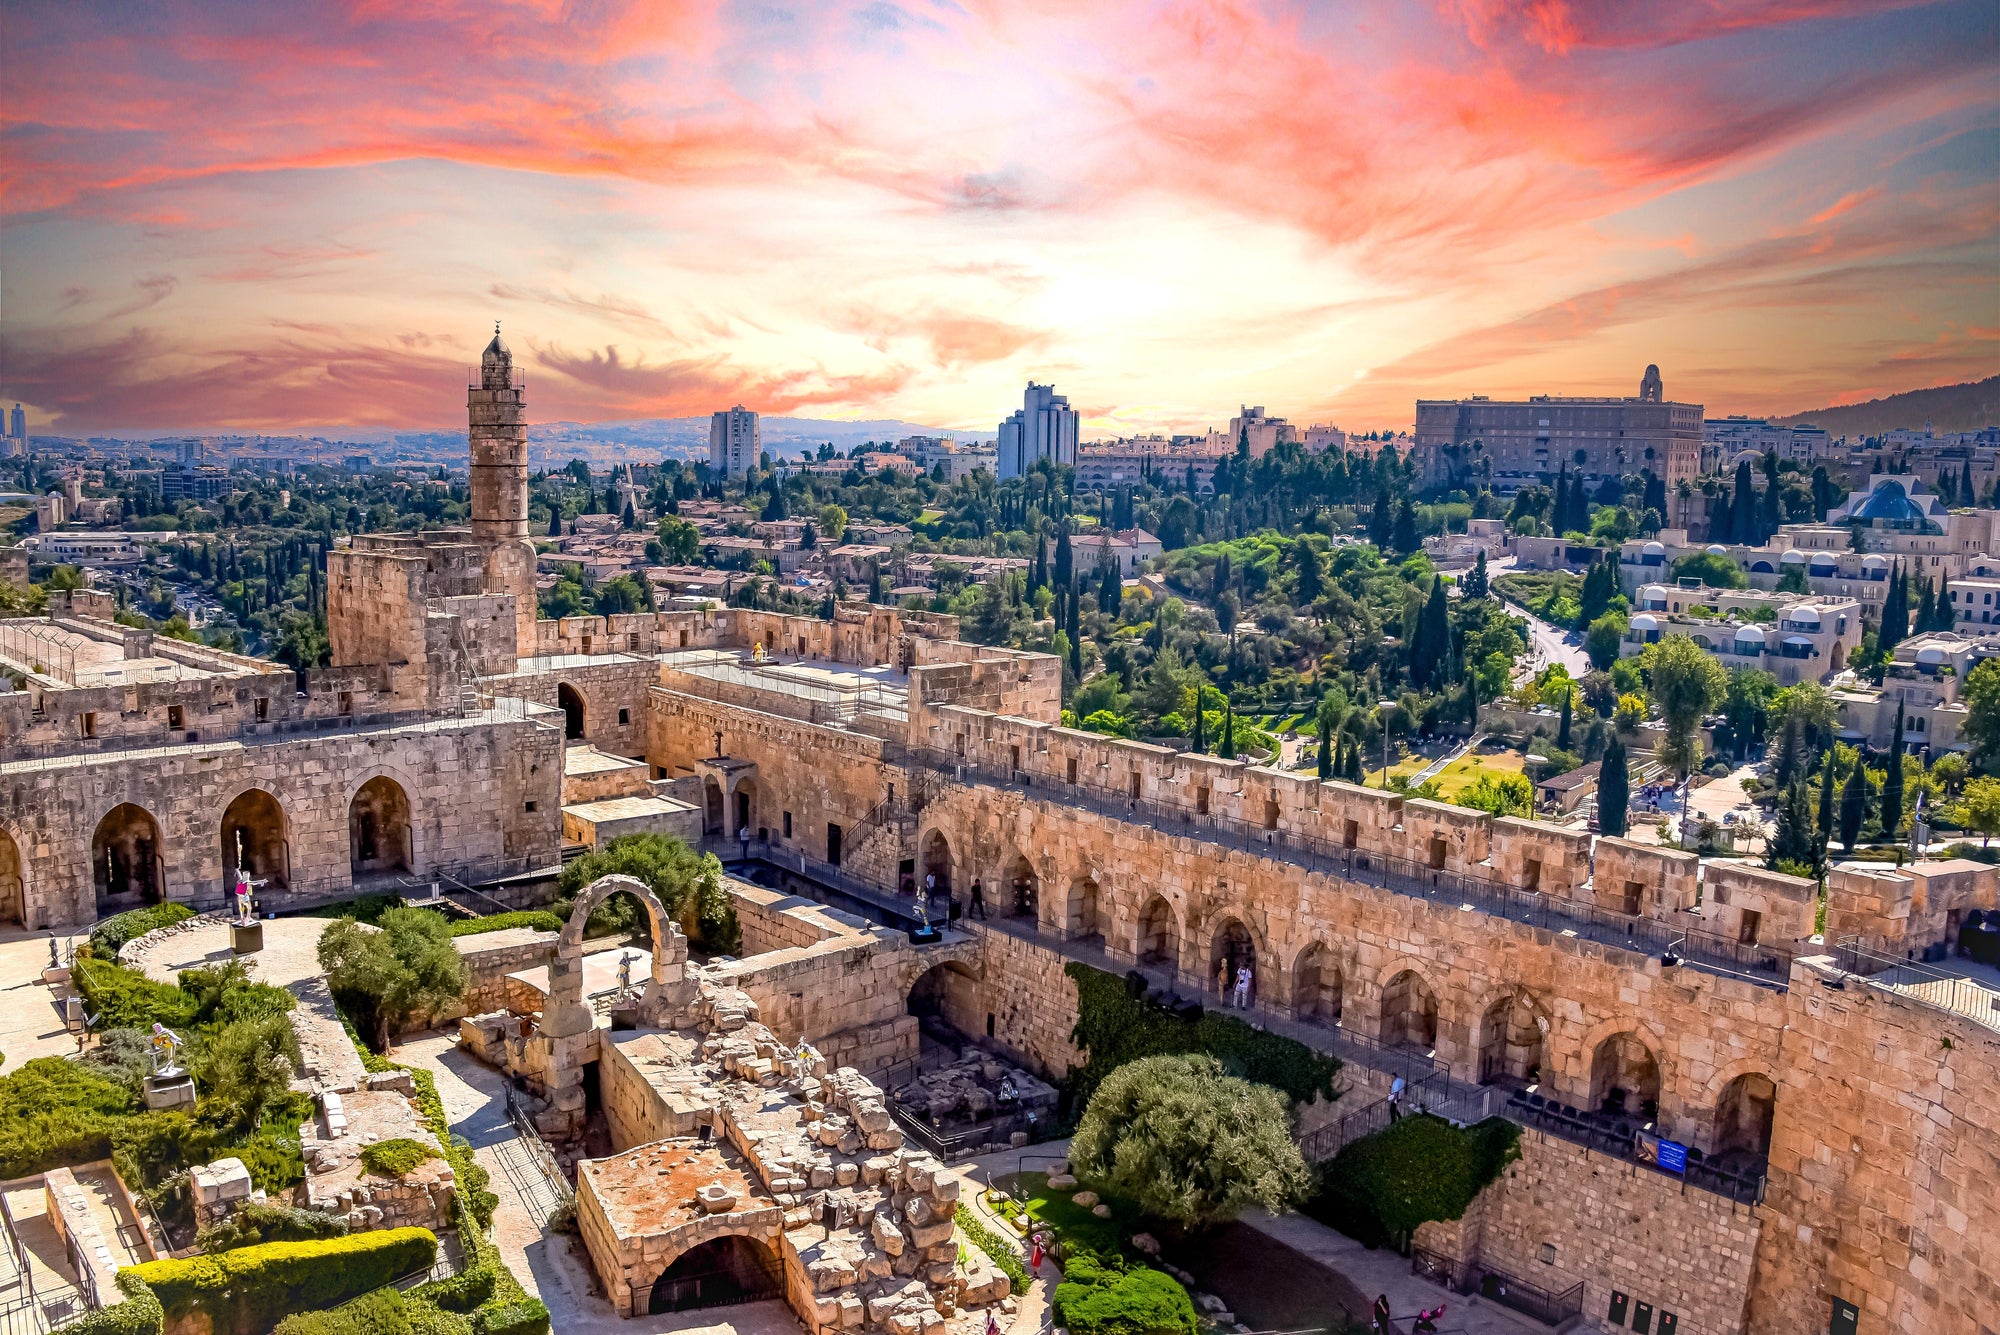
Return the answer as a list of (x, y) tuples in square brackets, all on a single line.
[(1475, 583), (1228, 748), (1895, 615), (1854, 805), (1562, 729), (1325, 756), (1743, 519), (1063, 570), (1199, 739), (1311, 581), (1892, 780), (1404, 537), (1614, 791), (1793, 841), (1825, 812), (1926, 609), (1380, 524), (1432, 639), (1110, 590)]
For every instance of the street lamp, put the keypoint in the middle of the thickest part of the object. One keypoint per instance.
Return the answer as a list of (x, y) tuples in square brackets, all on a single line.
[(1383, 708)]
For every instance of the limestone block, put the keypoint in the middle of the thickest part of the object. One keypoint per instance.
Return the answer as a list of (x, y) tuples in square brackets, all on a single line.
[(930, 1235), (919, 1210), (887, 1236)]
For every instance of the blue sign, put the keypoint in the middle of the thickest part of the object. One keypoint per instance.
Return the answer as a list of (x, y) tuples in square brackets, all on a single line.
[(1673, 1157)]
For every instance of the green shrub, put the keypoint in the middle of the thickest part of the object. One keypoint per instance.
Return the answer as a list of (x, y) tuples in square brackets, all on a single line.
[(54, 1111), (139, 1314), (1114, 1028), (387, 979), (383, 1312), (362, 908), (523, 1316), (110, 936), (1134, 1302), (461, 1292), (251, 1289), (1419, 1169), (689, 886), (540, 919), (428, 1320), (261, 1221), (998, 1250), (396, 1157), (122, 998)]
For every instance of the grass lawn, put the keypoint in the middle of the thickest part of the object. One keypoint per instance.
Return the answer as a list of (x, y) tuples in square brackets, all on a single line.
[(1458, 774), (1070, 1220)]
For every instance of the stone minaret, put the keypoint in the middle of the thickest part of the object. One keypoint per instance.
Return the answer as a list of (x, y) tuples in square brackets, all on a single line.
[(496, 412)]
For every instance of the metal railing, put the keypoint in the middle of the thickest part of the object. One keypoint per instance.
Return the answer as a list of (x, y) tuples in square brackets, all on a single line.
[(1551, 1307), (1324, 1143), (39, 647), (1932, 986), (1763, 962), (539, 1153)]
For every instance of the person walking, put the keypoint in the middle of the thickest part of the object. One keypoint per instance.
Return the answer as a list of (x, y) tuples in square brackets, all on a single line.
[(1396, 1098), (1243, 988), (1380, 1323), (978, 904)]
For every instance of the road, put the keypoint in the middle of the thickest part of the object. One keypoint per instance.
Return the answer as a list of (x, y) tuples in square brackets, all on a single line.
[(1546, 642)]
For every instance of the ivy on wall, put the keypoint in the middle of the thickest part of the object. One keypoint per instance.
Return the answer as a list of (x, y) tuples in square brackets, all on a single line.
[(1113, 1027), (1414, 1171)]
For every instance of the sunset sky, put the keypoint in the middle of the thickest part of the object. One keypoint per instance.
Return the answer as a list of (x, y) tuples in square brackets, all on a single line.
[(267, 215)]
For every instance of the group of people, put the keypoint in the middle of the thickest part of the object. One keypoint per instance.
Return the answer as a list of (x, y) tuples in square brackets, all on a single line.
[(1425, 1322), (975, 905)]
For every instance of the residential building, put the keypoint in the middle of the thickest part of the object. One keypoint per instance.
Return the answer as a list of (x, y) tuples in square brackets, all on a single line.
[(1045, 427), (929, 452), (1320, 438), (86, 548), (1131, 548), (1925, 677), (1726, 439), (1793, 637), (735, 442), (1527, 441), (17, 429), (1251, 428), (1164, 461)]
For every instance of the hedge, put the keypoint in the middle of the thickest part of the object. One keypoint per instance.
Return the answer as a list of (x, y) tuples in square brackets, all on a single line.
[(266, 1221), (54, 1111), (139, 1314), (540, 919), (1417, 1170), (382, 1312), (395, 1157), (1114, 1027), (251, 1289), (110, 936), (1096, 1300)]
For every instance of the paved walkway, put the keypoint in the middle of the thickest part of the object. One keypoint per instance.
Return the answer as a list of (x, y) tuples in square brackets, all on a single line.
[(31, 1023)]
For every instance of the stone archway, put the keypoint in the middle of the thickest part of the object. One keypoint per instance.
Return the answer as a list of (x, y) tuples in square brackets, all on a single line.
[(1159, 938), (1083, 909), (720, 1272), (126, 861), (254, 840), (570, 700), (566, 1013), (378, 829), (711, 810), (1231, 950), (1513, 1039), (746, 795), (1743, 1117), (1316, 981), (13, 889), (1409, 1012), (1020, 890), (934, 860), (1625, 1076), (936, 989)]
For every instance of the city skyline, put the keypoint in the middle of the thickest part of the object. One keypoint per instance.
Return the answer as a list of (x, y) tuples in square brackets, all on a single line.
[(234, 218)]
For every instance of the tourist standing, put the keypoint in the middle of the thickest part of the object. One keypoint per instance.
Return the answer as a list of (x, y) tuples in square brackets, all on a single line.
[(1243, 988)]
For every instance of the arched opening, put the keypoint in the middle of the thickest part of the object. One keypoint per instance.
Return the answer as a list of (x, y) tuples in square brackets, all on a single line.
[(1024, 890), (1316, 985), (13, 892), (1080, 918), (253, 840), (125, 860), (572, 708), (1229, 955), (1409, 1012), (378, 829), (934, 864), (1743, 1120), (1625, 1077), (1512, 1045), (941, 991), (717, 1273), (711, 817), (1159, 936)]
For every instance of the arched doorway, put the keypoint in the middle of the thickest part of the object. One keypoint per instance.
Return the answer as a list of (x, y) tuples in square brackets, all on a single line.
[(125, 860), (1080, 917), (1159, 936), (1743, 1120), (378, 829), (253, 839), (13, 890), (1023, 890), (1316, 985), (1625, 1077), (1513, 1038), (711, 812), (746, 808), (571, 701), (1409, 1012), (1229, 953), (719, 1272), (934, 861), (940, 990)]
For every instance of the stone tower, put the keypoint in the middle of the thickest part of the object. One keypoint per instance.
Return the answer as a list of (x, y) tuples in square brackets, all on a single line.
[(1650, 388), (496, 413)]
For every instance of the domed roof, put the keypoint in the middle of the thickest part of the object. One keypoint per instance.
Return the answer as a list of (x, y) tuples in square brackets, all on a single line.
[(1930, 654), (1749, 635), (1889, 502), (1824, 559), (1652, 591), (1717, 549), (1804, 613), (496, 351), (1644, 622), (1793, 556), (1874, 562), (1654, 549)]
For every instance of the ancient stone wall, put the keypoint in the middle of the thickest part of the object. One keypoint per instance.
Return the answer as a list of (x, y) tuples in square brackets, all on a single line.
[(1884, 1155), (611, 687), (467, 785), (488, 961), (1562, 1215), (773, 920), (1748, 903), (1022, 1001), (1899, 910)]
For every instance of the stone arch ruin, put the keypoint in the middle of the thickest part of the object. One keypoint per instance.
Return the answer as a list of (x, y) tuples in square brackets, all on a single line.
[(1316, 980), (1159, 940), (667, 992), (254, 839), (125, 860), (378, 829), (1513, 1040)]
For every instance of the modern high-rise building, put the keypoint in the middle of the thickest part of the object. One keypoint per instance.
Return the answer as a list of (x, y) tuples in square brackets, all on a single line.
[(1527, 441), (735, 442), (1044, 428), (17, 425)]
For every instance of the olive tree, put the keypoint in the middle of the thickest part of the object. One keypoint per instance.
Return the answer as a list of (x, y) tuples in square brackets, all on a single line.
[(1685, 684)]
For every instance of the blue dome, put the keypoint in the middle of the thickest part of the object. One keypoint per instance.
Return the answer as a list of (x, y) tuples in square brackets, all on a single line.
[(1890, 504)]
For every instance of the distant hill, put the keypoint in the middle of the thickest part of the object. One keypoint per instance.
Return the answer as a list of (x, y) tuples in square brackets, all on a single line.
[(1947, 408)]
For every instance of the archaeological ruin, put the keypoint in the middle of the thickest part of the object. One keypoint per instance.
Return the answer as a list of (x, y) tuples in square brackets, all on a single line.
[(1835, 1102)]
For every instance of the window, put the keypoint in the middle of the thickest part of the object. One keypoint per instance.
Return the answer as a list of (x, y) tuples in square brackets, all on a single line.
[(1014, 756), (1201, 801), (347, 702), (1270, 815), (529, 807), (586, 644), (1135, 783), (1069, 769), (263, 708), (1350, 833), (788, 825), (1531, 874), (176, 718), (1634, 890), (86, 725), (624, 716)]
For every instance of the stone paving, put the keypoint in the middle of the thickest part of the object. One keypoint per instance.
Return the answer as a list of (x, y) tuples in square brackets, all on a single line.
[(31, 1023)]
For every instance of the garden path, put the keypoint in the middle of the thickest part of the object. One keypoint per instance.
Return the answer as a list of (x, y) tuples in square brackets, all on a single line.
[(31, 1023)]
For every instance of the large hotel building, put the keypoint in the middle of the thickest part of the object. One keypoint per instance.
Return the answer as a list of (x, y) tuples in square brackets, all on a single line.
[(1527, 441)]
